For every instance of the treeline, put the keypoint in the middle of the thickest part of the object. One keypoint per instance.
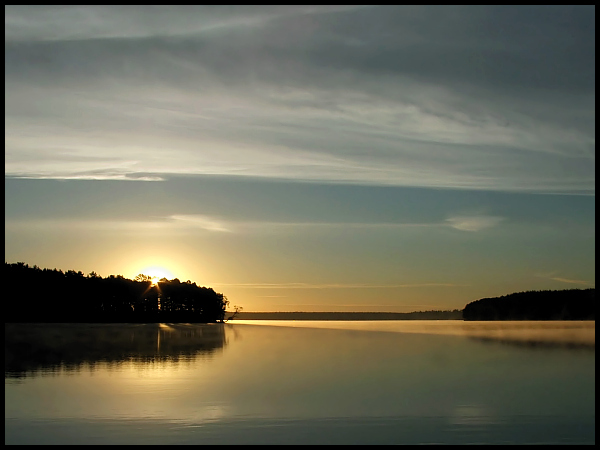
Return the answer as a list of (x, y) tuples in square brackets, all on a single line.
[(40, 295), (300, 315), (568, 304)]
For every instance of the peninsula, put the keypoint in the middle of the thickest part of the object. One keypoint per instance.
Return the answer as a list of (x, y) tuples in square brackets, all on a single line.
[(53, 296)]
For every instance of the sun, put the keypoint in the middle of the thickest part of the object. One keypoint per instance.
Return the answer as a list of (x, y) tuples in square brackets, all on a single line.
[(157, 273)]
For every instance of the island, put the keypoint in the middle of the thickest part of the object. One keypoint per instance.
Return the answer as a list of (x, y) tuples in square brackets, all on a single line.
[(568, 304)]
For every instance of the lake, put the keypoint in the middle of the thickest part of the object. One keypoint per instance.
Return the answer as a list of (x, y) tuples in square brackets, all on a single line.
[(301, 382)]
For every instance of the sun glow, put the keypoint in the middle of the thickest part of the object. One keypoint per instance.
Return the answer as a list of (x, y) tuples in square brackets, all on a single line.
[(157, 273)]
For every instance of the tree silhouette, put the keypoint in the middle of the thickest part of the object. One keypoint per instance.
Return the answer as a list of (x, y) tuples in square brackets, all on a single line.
[(568, 304), (237, 309), (142, 277), (49, 295)]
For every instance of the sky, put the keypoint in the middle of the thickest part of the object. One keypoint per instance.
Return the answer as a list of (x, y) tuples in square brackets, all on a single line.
[(305, 158)]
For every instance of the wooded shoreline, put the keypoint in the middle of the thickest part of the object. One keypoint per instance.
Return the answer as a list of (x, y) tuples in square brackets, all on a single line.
[(300, 315)]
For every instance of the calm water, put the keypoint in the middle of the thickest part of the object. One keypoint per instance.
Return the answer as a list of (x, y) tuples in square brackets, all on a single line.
[(301, 382)]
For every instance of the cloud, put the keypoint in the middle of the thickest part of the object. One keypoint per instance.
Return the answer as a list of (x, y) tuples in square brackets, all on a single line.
[(47, 23), (200, 221), (336, 285), (552, 276), (566, 280), (446, 97), (212, 223), (473, 223), (161, 224), (222, 225)]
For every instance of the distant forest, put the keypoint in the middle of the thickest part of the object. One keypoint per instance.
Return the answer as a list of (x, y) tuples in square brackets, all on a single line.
[(53, 296), (301, 315), (568, 304)]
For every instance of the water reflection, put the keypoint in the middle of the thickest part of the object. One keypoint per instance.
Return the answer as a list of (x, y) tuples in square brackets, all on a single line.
[(541, 344), (279, 384), (34, 349)]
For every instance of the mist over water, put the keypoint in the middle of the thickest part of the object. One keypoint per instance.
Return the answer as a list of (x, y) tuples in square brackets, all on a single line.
[(551, 333), (300, 382)]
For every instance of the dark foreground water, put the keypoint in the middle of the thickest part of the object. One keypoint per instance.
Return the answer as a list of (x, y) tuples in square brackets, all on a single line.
[(399, 382)]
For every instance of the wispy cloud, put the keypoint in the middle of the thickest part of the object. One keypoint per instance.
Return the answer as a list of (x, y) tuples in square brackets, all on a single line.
[(552, 276), (98, 175), (415, 96), (220, 224), (473, 223), (97, 22), (200, 221), (566, 280), (223, 225), (318, 307), (335, 285)]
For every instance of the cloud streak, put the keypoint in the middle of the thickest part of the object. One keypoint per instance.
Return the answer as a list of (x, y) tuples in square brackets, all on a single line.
[(473, 223), (221, 225), (552, 276), (201, 221), (567, 280), (414, 96), (336, 285)]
